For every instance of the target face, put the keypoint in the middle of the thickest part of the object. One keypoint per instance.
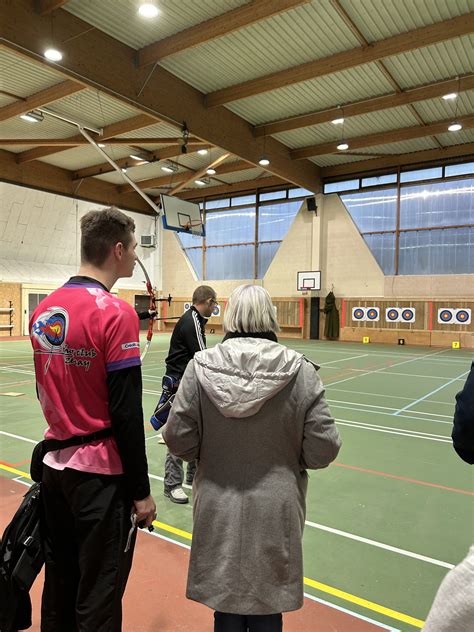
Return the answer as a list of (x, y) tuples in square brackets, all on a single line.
[(186, 306), (358, 313), (51, 328), (463, 316), (408, 315), (445, 315), (216, 311), (392, 314), (373, 313)]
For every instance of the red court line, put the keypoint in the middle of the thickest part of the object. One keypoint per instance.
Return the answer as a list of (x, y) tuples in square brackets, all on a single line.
[(431, 316), (404, 478), (343, 313)]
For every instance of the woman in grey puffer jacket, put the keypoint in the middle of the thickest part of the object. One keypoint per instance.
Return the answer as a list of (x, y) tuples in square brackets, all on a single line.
[(253, 413)]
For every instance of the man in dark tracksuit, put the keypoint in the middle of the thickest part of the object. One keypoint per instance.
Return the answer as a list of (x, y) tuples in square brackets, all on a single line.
[(188, 337), (463, 428)]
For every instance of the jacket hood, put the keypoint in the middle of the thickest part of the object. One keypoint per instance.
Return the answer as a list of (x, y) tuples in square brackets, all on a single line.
[(241, 374)]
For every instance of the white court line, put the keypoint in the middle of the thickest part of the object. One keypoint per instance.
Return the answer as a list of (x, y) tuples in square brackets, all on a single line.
[(346, 390), (425, 377), (380, 545), (345, 359), (380, 412), (364, 405), (21, 438), (420, 399), (8, 370), (385, 368), (396, 431)]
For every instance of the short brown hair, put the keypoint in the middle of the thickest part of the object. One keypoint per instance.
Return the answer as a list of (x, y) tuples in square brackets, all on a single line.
[(203, 293), (101, 230)]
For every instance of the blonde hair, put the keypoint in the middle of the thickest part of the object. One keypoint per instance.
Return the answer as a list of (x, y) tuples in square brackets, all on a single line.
[(250, 310)]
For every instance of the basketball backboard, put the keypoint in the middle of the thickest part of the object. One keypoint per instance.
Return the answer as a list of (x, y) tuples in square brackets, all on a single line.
[(308, 281), (181, 215)]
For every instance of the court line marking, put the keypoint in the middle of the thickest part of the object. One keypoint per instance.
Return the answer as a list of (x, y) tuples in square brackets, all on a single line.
[(380, 412), (370, 605), (436, 390), (402, 478), (346, 390), (364, 404), (379, 545), (364, 355), (396, 431), (425, 377), (385, 368)]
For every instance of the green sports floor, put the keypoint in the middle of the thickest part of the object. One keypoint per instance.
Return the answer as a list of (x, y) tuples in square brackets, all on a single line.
[(384, 523)]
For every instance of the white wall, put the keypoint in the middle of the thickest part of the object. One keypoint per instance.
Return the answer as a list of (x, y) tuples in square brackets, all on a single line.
[(40, 233)]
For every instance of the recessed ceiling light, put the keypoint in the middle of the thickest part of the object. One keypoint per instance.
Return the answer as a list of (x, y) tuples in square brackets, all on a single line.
[(32, 117), (201, 183), (455, 127), (53, 54), (169, 168), (343, 146), (211, 171), (102, 145), (338, 121), (124, 170), (148, 10), (263, 161), (451, 95), (202, 152)]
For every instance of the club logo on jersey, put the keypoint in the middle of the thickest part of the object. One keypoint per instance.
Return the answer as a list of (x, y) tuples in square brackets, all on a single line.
[(51, 328)]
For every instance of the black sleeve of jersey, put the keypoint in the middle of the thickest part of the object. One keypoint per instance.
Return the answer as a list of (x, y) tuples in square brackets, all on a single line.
[(125, 407), (193, 336), (463, 427)]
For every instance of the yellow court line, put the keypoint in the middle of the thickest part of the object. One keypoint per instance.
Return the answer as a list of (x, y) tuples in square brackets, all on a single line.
[(335, 592)]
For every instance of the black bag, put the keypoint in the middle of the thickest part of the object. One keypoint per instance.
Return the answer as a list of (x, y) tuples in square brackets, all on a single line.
[(21, 559)]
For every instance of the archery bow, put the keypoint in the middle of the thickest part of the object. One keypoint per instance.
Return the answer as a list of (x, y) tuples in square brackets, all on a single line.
[(151, 294)]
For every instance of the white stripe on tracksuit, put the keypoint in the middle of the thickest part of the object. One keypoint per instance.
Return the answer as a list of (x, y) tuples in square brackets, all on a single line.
[(198, 332)]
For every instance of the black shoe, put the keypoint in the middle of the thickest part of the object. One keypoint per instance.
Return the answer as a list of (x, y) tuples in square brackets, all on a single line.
[(189, 480)]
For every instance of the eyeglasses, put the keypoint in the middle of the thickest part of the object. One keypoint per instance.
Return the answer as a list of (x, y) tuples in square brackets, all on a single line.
[(214, 302)]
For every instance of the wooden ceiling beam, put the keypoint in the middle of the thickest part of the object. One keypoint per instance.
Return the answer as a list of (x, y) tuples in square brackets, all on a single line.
[(43, 97), (39, 175), (417, 157), (155, 156), (80, 142), (175, 178), (159, 94), (219, 26), (236, 187), (122, 127), (395, 45), (44, 7), (366, 106), (199, 174), (382, 138)]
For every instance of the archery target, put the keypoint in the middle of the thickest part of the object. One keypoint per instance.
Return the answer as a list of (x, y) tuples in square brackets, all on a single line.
[(358, 313), (463, 316), (408, 314), (445, 316), (186, 306), (392, 314), (373, 313), (216, 311)]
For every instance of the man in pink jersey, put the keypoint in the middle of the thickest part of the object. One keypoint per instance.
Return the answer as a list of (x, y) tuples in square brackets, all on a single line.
[(88, 374)]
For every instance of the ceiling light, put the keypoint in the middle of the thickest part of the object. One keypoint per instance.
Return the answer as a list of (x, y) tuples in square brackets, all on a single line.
[(102, 145), (455, 127), (124, 170), (263, 161), (202, 152), (53, 54), (451, 95), (32, 117), (169, 168), (338, 121), (201, 183), (140, 158), (148, 10), (343, 146), (211, 171)]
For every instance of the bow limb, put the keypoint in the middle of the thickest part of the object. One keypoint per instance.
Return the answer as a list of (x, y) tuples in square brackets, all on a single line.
[(152, 296)]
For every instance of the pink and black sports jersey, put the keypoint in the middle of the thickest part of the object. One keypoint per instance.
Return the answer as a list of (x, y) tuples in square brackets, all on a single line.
[(79, 333)]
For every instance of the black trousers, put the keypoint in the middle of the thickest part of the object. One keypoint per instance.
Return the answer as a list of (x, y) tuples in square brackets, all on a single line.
[(225, 622), (86, 525)]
